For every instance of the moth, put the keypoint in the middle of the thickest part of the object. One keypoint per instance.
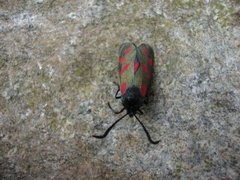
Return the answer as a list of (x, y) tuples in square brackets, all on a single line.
[(136, 74)]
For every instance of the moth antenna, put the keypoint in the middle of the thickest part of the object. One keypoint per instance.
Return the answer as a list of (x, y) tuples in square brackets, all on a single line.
[(109, 129), (147, 133)]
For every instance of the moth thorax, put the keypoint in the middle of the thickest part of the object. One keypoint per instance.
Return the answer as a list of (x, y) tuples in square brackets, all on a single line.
[(132, 100)]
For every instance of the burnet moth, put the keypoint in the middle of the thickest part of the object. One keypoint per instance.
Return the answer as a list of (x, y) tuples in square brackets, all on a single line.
[(136, 73)]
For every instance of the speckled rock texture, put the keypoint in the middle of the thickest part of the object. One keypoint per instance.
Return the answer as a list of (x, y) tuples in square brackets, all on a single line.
[(58, 62)]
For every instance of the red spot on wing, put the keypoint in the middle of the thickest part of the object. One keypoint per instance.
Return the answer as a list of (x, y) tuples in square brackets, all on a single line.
[(136, 65), (150, 62), (122, 59), (124, 69), (144, 89), (145, 70), (123, 88), (128, 50)]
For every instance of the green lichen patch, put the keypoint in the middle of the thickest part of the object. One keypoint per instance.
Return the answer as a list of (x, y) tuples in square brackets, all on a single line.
[(187, 4), (224, 15), (178, 172)]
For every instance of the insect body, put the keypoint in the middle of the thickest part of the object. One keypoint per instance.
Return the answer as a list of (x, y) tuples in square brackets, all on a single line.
[(136, 71)]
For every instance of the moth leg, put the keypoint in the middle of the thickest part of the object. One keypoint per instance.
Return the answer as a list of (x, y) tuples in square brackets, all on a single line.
[(140, 112), (146, 101), (114, 111), (116, 95)]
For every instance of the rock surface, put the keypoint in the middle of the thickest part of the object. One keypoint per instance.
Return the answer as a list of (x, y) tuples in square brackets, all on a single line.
[(58, 62)]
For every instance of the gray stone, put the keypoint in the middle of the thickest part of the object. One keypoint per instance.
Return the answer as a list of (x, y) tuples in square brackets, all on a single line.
[(58, 62)]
